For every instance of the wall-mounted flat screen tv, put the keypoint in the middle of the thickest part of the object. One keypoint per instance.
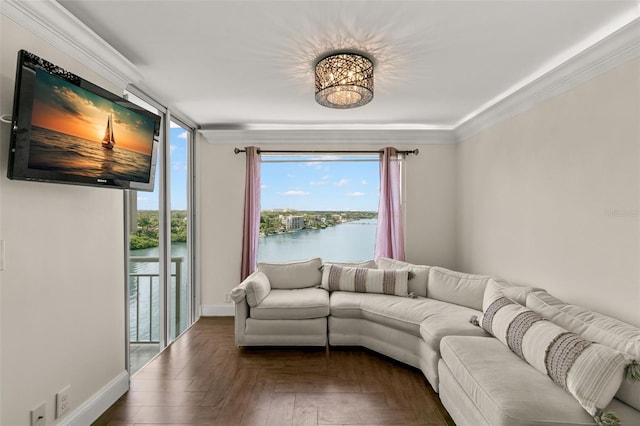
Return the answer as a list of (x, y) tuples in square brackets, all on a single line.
[(68, 130)]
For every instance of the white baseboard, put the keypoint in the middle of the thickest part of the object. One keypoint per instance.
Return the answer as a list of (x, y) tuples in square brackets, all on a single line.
[(226, 310), (93, 408)]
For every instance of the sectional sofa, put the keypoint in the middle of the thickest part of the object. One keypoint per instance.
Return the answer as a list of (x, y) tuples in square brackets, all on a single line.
[(497, 353)]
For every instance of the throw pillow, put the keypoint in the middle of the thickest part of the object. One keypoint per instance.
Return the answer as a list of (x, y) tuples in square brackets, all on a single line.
[(290, 275), (364, 280), (596, 327), (417, 282), (371, 264), (591, 372), (257, 289), (497, 287), (456, 287)]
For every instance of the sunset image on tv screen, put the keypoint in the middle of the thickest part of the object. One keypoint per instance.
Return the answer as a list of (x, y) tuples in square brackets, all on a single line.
[(78, 132)]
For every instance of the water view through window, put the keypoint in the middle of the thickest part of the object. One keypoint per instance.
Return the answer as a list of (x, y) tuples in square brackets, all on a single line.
[(318, 206), (145, 328)]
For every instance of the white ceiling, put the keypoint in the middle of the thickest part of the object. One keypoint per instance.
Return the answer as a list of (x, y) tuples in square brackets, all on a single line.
[(437, 63)]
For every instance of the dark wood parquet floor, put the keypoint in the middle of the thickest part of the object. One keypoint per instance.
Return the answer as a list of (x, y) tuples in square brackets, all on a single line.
[(204, 379)]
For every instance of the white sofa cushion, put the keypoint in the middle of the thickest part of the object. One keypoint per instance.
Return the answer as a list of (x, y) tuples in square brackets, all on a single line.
[(497, 288), (456, 287), (371, 264), (257, 288), (400, 313), (596, 327), (300, 303), (426, 318), (591, 372), (505, 389), (452, 320), (297, 274), (364, 280), (591, 325), (418, 282)]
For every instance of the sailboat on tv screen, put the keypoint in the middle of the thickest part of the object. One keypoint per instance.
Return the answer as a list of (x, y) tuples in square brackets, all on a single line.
[(109, 141)]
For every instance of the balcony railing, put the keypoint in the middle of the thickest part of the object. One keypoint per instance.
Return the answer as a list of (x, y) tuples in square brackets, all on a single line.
[(151, 281)]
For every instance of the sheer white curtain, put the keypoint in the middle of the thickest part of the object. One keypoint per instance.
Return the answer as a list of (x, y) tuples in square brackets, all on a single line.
[(390, 231), (251, 225)]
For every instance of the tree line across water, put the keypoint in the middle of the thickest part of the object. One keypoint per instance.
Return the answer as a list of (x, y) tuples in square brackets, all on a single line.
[(275, 221), (147, 233), (271, 222)]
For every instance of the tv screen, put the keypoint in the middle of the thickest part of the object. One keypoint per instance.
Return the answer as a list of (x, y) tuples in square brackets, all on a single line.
[(68, 130)]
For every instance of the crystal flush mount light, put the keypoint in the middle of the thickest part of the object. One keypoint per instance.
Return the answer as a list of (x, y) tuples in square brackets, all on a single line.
[(344, 80)]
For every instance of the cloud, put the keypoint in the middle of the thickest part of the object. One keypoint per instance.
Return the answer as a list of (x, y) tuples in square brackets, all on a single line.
[(263, 186), (364, 182), (317, 160), (294, 193), (179, 166), (355, 194), (341, 182), (72, 103), (182, 135)]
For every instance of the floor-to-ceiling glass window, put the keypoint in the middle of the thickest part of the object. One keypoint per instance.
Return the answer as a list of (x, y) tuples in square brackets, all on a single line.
[(160, 278), (180, 293)]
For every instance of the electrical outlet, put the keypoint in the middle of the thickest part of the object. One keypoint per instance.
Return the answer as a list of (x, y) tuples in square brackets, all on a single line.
[(227, 298), (38, 415), (62, 401)]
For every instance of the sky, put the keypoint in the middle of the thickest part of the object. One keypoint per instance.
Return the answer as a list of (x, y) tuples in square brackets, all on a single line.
[(178, 174), (66, 108), (309, 184), (305, 184)]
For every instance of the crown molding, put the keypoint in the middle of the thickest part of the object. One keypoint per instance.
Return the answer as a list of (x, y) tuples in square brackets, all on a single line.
[(226, 134), (53, 23), (605, 54)]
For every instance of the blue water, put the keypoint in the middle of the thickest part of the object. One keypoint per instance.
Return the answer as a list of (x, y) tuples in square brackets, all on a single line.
[(59, 152), (147, 312), (346, 242)]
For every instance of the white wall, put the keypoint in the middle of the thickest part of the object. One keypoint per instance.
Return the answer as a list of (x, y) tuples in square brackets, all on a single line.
[(430, 215), (62, 288), (550, 198)]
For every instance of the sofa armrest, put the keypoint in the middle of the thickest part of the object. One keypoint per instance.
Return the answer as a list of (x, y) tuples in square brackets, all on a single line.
[(238, 296), (239, 292), (240, 321), (242, 296)]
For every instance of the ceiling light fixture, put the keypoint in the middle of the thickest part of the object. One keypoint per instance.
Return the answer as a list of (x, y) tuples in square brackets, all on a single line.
[(344, 80)]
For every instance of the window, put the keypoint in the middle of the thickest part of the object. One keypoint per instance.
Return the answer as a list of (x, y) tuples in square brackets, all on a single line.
[(160, 267), (318, 206)]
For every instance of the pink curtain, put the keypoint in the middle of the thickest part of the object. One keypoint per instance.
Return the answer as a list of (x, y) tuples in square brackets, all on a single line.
[(389, 232), (251, 225)]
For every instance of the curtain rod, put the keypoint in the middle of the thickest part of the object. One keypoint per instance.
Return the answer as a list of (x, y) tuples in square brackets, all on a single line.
[(303, 151)]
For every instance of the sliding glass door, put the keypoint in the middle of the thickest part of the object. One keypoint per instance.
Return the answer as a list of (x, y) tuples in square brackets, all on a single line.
[(180, 294), (160, 285)]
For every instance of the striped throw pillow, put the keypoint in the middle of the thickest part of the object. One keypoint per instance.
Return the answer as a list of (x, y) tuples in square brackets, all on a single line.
[(364, 280), (589, 371)]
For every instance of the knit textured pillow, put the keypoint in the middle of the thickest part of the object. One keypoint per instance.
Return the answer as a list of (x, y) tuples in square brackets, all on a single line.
[(364, 280), (591, 372)]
